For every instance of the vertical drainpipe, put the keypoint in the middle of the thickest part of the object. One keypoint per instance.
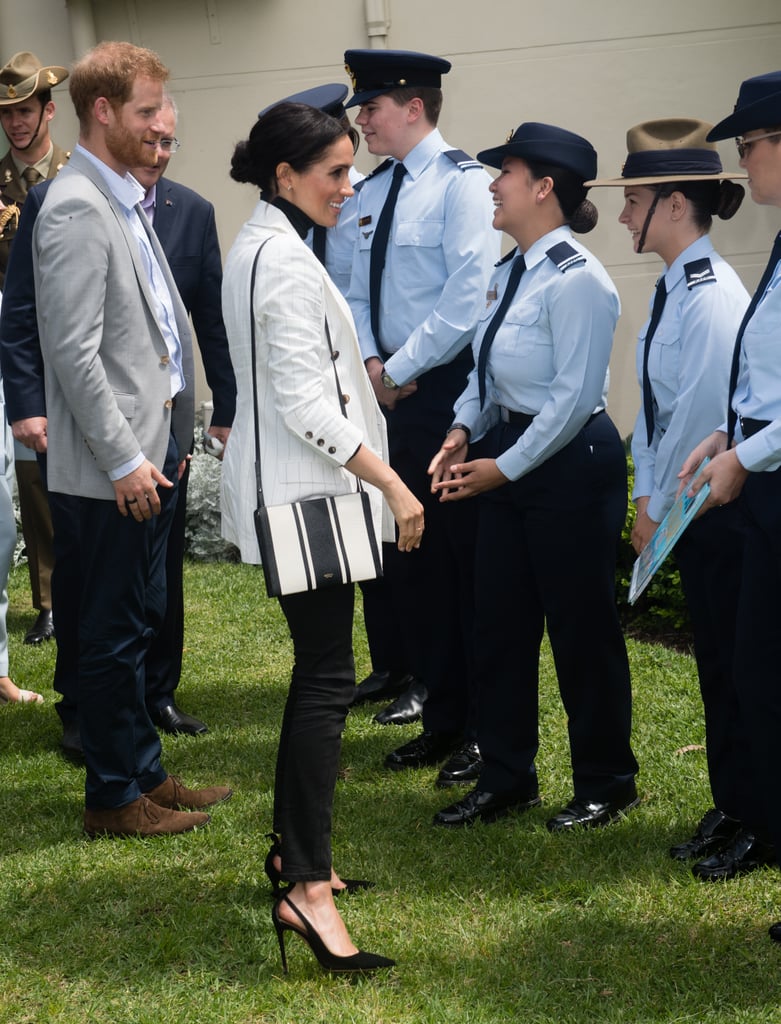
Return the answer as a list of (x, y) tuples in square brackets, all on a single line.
[(82, 25), (377, 23)]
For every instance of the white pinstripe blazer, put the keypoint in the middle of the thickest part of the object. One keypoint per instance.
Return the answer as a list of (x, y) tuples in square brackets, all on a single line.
[(304, 438)]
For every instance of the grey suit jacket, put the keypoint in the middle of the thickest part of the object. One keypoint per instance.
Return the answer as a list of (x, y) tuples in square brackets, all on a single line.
[(105, 359)]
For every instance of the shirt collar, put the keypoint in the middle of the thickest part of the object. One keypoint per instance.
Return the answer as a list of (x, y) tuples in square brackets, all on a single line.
[(698, 250), (420, 156), (537, 251), (42, 166), (126, 190)]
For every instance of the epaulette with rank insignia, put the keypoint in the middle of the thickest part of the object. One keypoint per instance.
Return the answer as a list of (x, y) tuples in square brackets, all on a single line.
[(698, 272), (564, 256), (461, 159)]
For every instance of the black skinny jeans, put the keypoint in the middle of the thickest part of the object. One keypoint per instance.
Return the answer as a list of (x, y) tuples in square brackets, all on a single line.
[(310, 742)]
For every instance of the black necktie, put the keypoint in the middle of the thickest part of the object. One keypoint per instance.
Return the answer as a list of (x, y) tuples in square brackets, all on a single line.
[(648, 396), (732, 416), (379, 249), (318, 242), (516, 272)]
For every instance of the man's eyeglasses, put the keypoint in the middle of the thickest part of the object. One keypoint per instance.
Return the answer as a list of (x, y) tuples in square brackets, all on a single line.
[(168, 145), (744, 145)]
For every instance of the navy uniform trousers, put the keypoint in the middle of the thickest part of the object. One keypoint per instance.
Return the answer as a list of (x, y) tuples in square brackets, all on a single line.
[(428, 594), (758, 648), (710, 559), (546, 553)]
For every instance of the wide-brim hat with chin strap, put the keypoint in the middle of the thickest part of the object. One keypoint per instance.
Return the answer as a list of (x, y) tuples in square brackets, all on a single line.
[(545, 144), (24, 75), (758, 106), (669, 149)]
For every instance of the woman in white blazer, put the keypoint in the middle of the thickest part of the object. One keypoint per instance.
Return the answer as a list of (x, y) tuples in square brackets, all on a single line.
[(300, 159)]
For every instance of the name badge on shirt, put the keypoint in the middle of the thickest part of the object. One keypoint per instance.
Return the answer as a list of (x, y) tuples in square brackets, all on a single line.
[(363, 221), (491, 296)]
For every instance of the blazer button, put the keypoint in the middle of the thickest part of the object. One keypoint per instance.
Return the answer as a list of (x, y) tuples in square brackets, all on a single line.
[(309, 435), (332, 450), (320, 442), (165, 360), (345, 399), (169, 403)]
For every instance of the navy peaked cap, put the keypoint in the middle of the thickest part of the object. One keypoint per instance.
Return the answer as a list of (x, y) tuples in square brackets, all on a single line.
[(758, 106), (374, 72), (547, 144), (328, 98)]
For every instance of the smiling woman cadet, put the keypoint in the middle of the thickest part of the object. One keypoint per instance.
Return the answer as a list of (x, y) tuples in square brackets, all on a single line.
[(673, 186), (300, 159), (553, 497), (745, 454)]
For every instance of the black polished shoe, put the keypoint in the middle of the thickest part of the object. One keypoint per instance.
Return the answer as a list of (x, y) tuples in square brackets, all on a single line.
[(381, 686), (713, 833), (462, 767), (427, 749), (405, 709), (42, 629), (774, 931), (590, 814), (71, 743), (172, 720), (744, 853), (485, 806)]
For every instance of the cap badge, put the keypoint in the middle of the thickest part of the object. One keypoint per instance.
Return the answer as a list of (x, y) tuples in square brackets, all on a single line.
[(353, 79), (51, 78), (11, 92)]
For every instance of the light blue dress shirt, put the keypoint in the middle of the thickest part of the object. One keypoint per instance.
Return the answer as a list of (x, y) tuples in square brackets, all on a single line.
[(688, 366), (549, 357), (440, 254), (758, 394)]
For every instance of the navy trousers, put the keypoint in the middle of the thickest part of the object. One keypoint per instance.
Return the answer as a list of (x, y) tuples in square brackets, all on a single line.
[(546, 554)]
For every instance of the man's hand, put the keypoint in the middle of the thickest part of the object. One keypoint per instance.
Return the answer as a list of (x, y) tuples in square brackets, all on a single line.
[(221, 434), (388, 397), (137, 492), (31, 433)]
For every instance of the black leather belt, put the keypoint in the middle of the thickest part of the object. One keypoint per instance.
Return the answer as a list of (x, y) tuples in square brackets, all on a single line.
[(751, 427), (524, 419)]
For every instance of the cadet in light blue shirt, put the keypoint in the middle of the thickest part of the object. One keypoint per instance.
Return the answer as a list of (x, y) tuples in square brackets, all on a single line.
[(552, 493), (424, 252), (683, 365), (750, 470)]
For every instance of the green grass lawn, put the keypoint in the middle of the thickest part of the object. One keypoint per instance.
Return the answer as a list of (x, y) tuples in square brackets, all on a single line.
[(498, 923)]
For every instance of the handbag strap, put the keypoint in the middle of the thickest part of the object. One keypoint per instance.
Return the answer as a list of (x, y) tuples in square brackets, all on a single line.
[(342, 404)]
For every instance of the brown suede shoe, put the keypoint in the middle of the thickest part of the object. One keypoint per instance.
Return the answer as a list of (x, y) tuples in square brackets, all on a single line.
[(173, 794), (141, 817)]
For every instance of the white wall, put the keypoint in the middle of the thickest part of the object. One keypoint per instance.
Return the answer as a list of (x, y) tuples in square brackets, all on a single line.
[(596, 68)]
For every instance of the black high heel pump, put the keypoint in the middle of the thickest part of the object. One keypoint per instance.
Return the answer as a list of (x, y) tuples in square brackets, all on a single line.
[(358, 962), (350, 884)]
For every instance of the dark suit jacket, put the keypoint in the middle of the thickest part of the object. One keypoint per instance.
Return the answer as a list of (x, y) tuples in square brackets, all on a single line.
[(184, 223)]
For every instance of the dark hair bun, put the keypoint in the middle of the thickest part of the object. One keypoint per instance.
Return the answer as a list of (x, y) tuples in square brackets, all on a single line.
[(584, 218), (240, 163), (730, 197)]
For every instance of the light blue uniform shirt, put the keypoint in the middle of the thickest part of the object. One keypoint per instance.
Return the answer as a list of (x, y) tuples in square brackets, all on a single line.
[(688, 365), (128, 193), (440, 254), (758, 394), (549, 357)]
